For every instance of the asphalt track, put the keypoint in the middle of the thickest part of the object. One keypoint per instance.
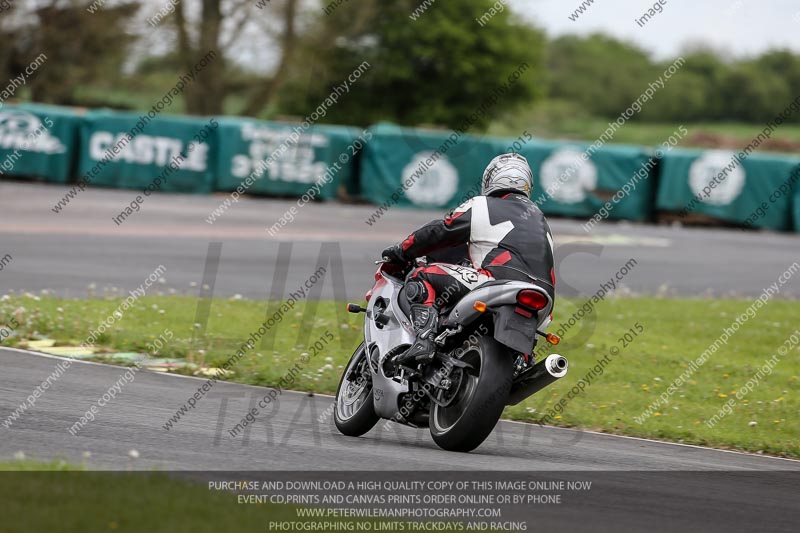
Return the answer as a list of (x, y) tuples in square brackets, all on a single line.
[(291, 436), (81, 246), (640, 483), (68, 252)]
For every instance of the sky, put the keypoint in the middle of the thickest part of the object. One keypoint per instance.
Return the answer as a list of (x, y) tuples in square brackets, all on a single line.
[(740, 28), (737, 28)]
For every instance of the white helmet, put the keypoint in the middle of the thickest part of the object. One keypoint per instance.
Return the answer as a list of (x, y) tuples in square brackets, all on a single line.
[(507, 172)]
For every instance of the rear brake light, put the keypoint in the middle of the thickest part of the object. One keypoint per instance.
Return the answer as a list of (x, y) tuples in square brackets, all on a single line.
[(532, 299)]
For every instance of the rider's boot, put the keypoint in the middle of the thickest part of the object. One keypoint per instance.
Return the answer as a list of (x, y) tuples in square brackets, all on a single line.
[(426, 321)]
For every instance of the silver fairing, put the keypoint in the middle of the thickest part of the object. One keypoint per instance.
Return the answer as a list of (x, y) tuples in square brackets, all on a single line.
[(399, 331), (385, 390), (497, 295)]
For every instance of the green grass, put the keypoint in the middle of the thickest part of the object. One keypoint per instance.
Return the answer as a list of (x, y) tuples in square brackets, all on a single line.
[(61, 497), (141, 92), (26, 465), (39, 499), (675, 332), (653, 134), (563, 120)]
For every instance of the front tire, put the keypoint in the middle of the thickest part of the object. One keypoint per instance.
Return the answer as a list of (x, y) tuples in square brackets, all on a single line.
[(354, 411), (477, 400)]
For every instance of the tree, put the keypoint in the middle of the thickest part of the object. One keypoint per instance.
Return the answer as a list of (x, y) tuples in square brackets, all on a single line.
[(219, 26), (786, 65), (702, 63), (437, 69), (685, 97), (603, 74), (752, 93), (74, 58), (694, 93)]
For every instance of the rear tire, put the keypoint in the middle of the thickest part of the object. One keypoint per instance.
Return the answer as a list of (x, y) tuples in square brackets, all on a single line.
[(354, 410), (478, 399)]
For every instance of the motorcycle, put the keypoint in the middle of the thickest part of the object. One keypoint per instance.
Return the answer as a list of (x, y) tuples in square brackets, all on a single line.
[(483, 362)]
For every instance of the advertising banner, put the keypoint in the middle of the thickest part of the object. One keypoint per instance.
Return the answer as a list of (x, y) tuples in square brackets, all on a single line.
[(38, 141)]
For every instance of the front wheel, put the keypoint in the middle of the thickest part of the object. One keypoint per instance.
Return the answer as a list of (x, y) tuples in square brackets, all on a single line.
[(464, 415), (354, 411)]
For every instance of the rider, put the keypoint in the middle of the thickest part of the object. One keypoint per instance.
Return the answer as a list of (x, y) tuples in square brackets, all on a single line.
[(501, 234)]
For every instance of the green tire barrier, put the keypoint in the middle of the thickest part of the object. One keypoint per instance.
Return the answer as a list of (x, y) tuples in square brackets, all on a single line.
[(38, 141), (430, 169), (165, 153), (618, 182), (284, 159), (413, 168), (388, 165), (755, 191), (797, 209)]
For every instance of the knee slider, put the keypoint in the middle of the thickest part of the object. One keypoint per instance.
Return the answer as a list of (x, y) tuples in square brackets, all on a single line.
[(416, 291)]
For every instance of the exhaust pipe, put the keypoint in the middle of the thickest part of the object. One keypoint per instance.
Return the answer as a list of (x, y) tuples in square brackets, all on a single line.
[(542, 374)]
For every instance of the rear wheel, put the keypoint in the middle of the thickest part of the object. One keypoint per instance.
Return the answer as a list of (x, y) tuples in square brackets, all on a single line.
[(354, 411), (464, 415)]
